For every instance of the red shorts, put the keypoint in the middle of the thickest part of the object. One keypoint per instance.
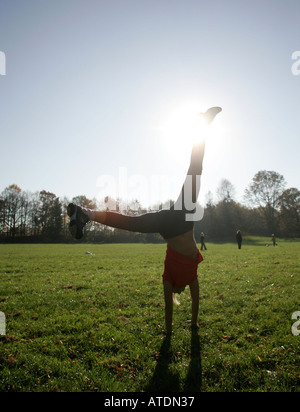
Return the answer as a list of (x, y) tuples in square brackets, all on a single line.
[(180, 270)]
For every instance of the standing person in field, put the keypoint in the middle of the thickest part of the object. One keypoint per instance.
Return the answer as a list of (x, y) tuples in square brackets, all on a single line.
[(274, 240), (203, 245), (239, 239), (175, 225)]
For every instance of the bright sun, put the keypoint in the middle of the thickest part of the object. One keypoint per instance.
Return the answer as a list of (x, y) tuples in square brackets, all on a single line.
[(183, 127)]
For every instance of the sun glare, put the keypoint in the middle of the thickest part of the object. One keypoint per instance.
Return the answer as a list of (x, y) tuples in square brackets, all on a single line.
[(183, 128)]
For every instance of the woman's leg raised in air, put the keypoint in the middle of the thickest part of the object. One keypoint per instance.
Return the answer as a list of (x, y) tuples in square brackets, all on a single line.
[(145, 223), (191, 187), (79, 217)]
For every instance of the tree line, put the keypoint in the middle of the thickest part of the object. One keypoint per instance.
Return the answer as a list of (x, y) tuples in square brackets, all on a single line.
[(268, 207)]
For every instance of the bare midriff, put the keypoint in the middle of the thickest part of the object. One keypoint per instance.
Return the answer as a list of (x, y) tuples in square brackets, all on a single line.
[(184, 244)]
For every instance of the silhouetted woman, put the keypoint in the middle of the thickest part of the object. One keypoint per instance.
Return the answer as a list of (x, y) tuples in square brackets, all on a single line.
[(176, 226)]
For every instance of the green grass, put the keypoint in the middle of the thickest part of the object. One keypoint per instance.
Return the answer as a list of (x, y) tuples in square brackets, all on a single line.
[(78, 322)]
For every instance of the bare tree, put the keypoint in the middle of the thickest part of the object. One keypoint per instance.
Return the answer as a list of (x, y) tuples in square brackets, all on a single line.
[(24, 212), (264, 192), (290, 212), (11, 201), (83, 201), (225, 191)]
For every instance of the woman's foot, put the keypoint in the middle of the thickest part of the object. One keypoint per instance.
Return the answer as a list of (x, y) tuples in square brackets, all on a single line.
[(210, 114), (78, 219)]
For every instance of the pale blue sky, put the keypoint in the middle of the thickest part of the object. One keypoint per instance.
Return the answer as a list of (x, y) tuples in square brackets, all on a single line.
[(90, 85)]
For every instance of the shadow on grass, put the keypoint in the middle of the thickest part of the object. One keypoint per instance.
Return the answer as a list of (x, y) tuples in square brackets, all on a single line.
[(193, 380), (165, 380)]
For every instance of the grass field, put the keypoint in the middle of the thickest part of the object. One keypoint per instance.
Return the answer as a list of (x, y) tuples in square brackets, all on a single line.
[(82, 322)]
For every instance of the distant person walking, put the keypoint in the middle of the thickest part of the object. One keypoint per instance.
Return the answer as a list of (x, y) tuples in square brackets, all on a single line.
[(239, 239), (274, 240), (203, 245)]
